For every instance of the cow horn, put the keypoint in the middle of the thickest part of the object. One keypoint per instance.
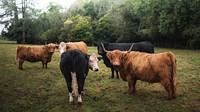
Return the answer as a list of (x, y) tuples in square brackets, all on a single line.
[(104, 47), (45, 44), (130, 48)]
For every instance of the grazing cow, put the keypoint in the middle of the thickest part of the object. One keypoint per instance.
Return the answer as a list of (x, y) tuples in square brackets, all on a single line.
[(140, 46), (34, 54), (75, 65), (73, 45), (147, 67)]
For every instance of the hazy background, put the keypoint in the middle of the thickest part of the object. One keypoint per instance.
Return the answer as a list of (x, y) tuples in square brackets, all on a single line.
[(42, 4)]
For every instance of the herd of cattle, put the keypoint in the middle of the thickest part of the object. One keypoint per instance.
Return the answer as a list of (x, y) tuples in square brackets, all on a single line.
[(133, 61)]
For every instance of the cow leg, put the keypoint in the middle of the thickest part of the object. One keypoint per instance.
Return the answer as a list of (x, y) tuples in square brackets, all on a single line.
[(80, 87), (134, 82), (167, 86), (46, 65), (85, 75), (112, 70), (71, 94), (20, 64), (117, 76), (43, 65), (131, 82), (80, 99), (68, 80), (80, 81), (82, 92), (71, 98)]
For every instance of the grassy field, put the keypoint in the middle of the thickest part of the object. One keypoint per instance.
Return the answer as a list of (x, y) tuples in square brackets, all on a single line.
[(36, 89)]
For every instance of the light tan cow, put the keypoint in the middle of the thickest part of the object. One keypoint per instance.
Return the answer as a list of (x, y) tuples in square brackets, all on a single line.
[(34, 54), (147, 67), (72, 46)]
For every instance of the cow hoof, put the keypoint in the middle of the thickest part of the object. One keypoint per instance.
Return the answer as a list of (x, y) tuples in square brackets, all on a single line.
[(131, 92), (173, 97), (125, 93), (168, 98), (80, 103), (73, 94), (111, 77), (83, 93), (72, 103)]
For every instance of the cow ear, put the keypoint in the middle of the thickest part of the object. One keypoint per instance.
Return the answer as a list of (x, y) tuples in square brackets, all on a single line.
[(57, 46), (100, 58), (124, 54), (109, 55), (87, 56)]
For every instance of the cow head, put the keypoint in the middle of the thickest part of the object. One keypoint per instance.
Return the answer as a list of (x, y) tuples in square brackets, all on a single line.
[(62, 47), (100, 48), (93, 62), (116, 56), (51, 47)]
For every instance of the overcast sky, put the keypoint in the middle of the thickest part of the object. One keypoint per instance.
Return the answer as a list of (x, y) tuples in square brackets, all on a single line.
[(42, 4), (45, 3)]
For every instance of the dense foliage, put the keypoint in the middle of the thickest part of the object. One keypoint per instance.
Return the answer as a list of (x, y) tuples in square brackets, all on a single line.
[(166, 23)]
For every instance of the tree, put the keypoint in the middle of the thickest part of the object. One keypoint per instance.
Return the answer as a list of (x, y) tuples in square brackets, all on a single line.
[(51, 23), (104, 30), (78, 28), (11, 11)]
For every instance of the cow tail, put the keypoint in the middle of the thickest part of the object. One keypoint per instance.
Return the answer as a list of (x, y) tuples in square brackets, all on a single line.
[(74, 77), (74, 84), (173, 73)]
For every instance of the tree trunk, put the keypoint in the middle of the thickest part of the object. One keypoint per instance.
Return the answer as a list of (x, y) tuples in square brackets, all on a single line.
[(24, 6)]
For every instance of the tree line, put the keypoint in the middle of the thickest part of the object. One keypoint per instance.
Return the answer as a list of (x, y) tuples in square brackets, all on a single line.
[(166, 23)]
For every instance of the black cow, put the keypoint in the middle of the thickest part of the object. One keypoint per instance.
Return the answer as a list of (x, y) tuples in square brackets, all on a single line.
[(76, 64), (140, 46)]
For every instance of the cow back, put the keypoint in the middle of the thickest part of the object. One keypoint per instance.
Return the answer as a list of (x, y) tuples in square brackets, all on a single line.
[(32, 53), (145, 66), (144, 46), (78, 46), (74, 61)]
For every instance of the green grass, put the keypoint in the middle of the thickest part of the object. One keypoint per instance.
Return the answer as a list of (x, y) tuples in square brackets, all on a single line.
[(7, 42), (37, 89)]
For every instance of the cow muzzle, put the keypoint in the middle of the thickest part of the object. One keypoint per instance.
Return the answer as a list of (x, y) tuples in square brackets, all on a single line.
[(96, 69), (51, 52), (116, 65)]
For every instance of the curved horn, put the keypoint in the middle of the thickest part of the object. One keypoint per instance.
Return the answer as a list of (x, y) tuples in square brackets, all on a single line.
[(104, 47), (130, 48)]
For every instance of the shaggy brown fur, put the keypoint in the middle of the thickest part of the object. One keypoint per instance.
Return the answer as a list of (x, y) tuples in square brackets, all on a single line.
[(77, 45), (151, 68), (34, 54)]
